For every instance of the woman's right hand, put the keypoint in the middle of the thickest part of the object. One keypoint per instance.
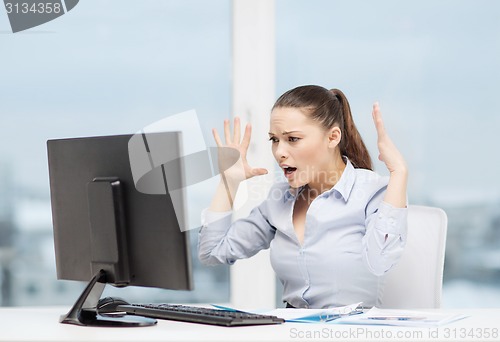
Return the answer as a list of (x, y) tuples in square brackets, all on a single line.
[(241, 170)]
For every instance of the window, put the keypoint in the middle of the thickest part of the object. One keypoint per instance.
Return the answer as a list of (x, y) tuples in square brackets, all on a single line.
[(107, 67), (115, 66), (433, 67)]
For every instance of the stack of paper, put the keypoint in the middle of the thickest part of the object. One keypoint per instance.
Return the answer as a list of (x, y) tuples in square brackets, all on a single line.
[(316, 315), (307, 315), (353, 314), (376, 316)]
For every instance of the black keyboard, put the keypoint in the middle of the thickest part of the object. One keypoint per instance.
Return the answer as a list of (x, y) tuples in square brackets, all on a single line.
[(195, 314)]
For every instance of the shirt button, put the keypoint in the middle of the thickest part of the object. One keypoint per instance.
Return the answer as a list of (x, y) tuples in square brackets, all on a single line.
[(392, 222), (380, 216)]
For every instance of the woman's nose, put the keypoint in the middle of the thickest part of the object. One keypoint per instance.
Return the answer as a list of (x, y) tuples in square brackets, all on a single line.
[(280, 153)]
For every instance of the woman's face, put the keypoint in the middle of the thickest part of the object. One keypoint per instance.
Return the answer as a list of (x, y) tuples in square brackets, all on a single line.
[(301, 146)]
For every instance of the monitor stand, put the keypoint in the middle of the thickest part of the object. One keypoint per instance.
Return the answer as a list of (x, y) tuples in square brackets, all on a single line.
[(84, 311)]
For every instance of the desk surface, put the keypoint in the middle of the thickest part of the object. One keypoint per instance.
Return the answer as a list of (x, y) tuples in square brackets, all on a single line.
[(41, 324)]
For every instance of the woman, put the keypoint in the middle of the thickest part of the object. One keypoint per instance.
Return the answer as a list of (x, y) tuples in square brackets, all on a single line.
[(335, 227)]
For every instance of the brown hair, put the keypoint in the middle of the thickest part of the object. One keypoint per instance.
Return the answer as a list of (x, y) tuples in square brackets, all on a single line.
[(330, 108)]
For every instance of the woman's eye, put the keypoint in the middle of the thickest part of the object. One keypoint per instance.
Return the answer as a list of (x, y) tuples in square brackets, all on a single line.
[(293, 139), (273, 139)]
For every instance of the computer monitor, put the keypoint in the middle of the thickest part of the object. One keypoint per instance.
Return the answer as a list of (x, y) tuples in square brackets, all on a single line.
[(108, 232)]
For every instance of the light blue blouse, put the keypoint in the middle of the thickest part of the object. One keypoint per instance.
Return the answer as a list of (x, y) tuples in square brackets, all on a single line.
[(352, 238)]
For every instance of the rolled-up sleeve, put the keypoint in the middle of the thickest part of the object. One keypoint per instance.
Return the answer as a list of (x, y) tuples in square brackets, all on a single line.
[(385, 238), (223, 242)]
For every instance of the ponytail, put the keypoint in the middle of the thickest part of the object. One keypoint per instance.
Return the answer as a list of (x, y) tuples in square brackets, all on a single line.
[(351, 143)]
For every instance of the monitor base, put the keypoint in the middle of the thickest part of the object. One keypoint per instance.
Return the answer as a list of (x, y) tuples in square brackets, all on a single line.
[(90, 318), (84, 311)]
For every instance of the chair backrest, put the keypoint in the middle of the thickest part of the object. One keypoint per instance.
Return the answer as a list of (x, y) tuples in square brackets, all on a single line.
[(417, 280)]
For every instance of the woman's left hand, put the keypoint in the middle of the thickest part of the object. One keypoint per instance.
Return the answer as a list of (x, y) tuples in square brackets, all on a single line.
[(388, 153)]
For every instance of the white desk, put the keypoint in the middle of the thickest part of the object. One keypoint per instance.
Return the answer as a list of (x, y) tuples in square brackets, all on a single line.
[(41, 324)]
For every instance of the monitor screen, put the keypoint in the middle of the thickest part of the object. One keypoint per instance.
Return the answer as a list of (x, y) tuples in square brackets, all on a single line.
[(102, 223)]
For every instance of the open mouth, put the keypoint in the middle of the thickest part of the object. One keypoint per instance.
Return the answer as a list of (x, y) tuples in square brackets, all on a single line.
[(289, 170)]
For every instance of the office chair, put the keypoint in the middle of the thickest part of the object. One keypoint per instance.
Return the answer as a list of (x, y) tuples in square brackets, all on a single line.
[(416, 281)]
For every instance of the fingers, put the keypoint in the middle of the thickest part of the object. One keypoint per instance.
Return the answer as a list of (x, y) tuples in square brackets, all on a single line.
[(237, 133), (259, 172), (235, 139), (216, 137), (377, 120), (227, 132), (246, 137)]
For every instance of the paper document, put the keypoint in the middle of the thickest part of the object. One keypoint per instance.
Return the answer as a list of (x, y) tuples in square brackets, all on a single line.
[(376, 316), (307, 315)]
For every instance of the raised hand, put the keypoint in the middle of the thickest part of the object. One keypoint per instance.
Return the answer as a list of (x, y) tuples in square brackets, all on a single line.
[(394, 161), (388, 153), (241, 169), (232, 174)]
